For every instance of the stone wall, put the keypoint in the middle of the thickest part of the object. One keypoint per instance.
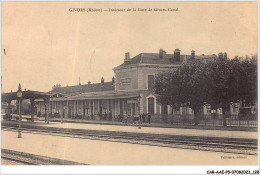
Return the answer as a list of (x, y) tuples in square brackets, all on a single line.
[(126, 79)]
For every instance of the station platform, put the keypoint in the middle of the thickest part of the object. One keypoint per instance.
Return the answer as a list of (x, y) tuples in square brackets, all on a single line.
[(149, 130), (96, 152)]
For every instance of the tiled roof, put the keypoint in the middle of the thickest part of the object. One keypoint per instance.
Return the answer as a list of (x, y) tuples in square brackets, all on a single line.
[(153, 58), (97, 87)]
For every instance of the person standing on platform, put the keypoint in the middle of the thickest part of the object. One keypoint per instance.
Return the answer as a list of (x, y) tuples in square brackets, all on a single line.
[(126, 118), (105, 116), (100, 116), (140, 118), (120, 117), (143, 117), (149, 118), (110, 115)]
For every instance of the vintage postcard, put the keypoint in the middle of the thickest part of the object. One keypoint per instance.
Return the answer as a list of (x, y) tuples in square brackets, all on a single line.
[(129, 83)]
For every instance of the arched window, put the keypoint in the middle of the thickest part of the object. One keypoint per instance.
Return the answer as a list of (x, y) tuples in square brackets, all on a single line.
[(151, 105)]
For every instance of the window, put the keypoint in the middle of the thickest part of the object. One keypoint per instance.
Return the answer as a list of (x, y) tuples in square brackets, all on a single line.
[(121, 107), (164, 109), (235, 108), (86, 111), (208, 109), (125, 81), (133, 108), (151, 105), (150, 82)]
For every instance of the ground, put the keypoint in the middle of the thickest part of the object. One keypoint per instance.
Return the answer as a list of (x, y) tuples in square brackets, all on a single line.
[(96, 152)]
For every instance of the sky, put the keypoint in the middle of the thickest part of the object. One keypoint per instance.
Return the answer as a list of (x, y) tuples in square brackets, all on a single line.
[(44, 44)]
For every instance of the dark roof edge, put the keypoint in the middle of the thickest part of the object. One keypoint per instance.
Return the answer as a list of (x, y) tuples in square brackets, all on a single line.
[(84, 85)]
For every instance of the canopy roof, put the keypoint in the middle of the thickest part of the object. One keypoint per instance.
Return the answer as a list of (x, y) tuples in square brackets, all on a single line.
[(98, 96), (105, 95), (28, 95)]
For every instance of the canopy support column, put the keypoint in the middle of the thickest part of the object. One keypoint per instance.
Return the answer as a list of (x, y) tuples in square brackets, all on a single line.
[(32, 109), (47, 108), (9, 110)]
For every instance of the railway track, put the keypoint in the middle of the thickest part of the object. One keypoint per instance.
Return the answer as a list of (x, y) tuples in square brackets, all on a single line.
[(32, 159), (17, 161), (216, 144)]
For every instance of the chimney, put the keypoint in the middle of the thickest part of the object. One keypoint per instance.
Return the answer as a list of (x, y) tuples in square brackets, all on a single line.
[(177, 55), (89, 82), (192, 55), (113, 80), (185, 59), (220, 55), (162, 54), (225, 55), (19, 87), (127, 57), (102, 80)]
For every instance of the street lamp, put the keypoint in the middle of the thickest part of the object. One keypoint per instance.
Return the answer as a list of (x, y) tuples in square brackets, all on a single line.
[(140, 115), (62, 110), (50, 110), (19, 96)]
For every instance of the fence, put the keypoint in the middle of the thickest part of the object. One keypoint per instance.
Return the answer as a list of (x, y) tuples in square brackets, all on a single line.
[(246, 120), (210, 120)]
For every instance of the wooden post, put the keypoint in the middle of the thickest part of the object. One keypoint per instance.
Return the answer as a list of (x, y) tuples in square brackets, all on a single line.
[(62, 111), (67, 110), (20, 120), (45, 112), (8, 110), (47, 109), (32, 109), (83, 108)]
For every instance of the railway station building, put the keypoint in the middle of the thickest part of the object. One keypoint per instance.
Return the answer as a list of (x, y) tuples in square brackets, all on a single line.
[(128, 93)]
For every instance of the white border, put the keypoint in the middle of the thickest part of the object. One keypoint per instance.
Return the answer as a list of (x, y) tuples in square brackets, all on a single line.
[(119, 169), (126, 169)]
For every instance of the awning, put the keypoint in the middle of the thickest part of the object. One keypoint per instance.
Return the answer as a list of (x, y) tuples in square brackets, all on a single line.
[(99, 96), (7, 97)]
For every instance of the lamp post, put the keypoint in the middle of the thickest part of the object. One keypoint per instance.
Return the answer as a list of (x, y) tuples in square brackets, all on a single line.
[(50, 110), (19, 95), (61, 121), (45, 109), (139, 122), (140, 116)]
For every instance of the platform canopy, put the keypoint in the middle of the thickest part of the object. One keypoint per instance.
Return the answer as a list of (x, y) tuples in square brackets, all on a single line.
[(105, 95), (7, 97), (96, 96)]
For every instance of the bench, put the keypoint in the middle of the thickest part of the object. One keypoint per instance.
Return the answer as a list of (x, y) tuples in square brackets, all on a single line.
[(27, 119)]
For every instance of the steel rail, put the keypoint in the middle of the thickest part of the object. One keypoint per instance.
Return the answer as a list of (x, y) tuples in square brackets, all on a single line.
[(15, 159)]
